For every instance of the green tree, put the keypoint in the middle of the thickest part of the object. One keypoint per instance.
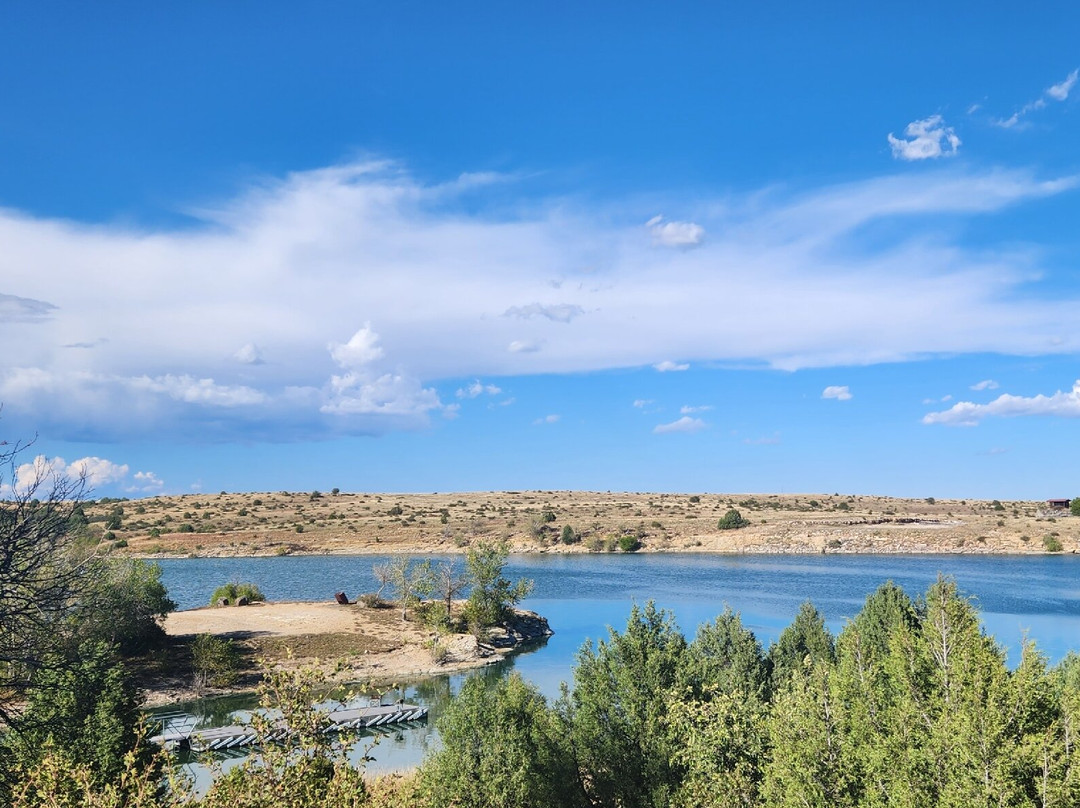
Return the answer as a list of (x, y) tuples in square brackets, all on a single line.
[(43, 571), (502, 747), (616, 711), (412, 580), (732, 520), (721, 746), (125, 605), (1074, 507), (806, 637), (728, 658), (491, 596), (88, 709)]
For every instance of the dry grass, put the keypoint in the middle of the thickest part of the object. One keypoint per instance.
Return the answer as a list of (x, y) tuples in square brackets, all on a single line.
[(287, 523)]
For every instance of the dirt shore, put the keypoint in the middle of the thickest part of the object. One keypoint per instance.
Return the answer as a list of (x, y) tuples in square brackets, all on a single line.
[(355, 643), (286, 523)]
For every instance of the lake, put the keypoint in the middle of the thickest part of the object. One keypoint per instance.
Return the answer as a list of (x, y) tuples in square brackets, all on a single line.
[(581, 595)]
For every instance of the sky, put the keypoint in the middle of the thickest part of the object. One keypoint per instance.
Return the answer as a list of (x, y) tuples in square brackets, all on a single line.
[(698, 247)]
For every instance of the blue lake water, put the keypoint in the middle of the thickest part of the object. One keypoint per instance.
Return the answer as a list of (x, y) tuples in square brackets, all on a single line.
[(582, 595)]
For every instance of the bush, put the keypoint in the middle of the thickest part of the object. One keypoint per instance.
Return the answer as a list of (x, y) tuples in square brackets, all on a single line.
[(1052, 544), (1074, 507), (214, 661), (185, 528), (233, 591), (733, 520), (568, 535), (629, 544)]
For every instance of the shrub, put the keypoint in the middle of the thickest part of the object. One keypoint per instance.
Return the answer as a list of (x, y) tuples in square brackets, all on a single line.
[(1074, 507), (568, 535), (732, 520), (547, 515), (629, 544), (695, 499), (233, 591), (185, 528), (214, 661), (1052, 544), (395, 511)]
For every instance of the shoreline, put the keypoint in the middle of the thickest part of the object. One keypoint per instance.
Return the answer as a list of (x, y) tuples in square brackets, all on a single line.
[(352, 643)]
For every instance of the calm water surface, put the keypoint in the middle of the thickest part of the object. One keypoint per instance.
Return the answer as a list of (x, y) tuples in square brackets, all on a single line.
[(582, 595)]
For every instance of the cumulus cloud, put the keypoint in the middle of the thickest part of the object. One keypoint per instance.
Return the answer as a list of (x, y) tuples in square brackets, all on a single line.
[(667, 366), (547, 419), (477, 389), (985, 384), (968, 413), (292, 267), (94, 471), (838, 392), (684, 424), (674, 234), (361, 349), (925, 139), (145, 482), (249, 354)]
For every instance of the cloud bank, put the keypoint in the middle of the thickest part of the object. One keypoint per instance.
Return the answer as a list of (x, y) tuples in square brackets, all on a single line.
[(967, 413), (336, 301)]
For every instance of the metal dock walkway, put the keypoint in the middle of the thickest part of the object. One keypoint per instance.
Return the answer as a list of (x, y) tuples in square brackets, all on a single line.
[(215, 738)]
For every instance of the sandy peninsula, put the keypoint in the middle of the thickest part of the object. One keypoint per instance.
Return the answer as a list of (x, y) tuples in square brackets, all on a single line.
[(354, 642)]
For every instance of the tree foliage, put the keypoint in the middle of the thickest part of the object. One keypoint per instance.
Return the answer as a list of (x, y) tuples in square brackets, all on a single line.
[(491, 596)]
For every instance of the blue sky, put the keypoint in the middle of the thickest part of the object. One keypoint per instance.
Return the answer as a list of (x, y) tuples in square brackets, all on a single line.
[(410, 247)]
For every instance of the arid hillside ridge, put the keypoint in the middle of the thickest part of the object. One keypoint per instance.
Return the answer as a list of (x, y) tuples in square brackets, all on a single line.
[(335, 522)]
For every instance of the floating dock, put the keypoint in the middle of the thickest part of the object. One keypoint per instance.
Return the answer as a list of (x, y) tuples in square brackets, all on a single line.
[(212, 739)]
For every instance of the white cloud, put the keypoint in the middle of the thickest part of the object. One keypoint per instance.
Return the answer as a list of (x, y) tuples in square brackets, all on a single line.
[(477, 389), (523, 346), (361, 349), (985, 384), (145, 482), (684, 424), (249, 354), (675, 234), (667, 366), (1060, 91), (547, 419), (838, 392), (925, 139), (968, 413), (291, 268), (1055, 92), (95, 471), (642, 402), (688, 410)]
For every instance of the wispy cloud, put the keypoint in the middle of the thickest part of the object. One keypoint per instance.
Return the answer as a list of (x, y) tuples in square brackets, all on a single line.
[(642, 402), (311, 273), (968, 413), (985, 384), (1061, 90), (925, 139), (1055, 92), (690, 410), (547, 419), (684, 424), (478, 389), (837, 392), (768, 440)]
